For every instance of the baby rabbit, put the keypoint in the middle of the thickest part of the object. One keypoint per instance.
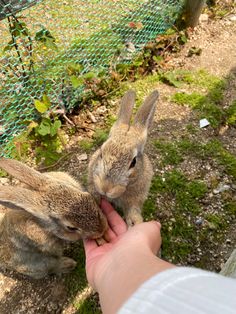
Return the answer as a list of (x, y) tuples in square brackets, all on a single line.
[(119, 170), (52, 210)]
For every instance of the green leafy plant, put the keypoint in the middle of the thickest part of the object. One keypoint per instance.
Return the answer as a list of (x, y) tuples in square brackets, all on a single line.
[(22, 48), (45, 132)]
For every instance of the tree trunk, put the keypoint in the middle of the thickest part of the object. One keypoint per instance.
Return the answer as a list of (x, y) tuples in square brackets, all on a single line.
[(193, 9)]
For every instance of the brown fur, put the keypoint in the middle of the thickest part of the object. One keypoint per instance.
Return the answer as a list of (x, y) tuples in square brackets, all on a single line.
[(39, 218), (109, 172)]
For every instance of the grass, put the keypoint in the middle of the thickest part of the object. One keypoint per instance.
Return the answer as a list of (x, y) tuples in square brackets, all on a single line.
[(76, 282), (181, 198), (208, 101), (174, 152)]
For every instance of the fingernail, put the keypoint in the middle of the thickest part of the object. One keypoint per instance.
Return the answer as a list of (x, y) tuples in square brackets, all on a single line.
[(159, 224)]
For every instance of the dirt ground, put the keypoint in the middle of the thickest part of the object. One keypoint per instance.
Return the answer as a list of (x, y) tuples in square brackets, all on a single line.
[(218, 42)]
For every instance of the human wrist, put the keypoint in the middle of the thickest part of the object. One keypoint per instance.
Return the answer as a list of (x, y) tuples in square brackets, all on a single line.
[(122, 276)]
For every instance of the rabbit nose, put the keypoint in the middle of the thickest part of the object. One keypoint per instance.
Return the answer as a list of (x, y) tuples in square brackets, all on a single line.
[(115, 191), (103, 186)]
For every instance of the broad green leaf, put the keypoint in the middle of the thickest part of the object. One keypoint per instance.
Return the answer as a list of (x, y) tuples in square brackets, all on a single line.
[(171, 78), (157, 58), (76, 81), (9, 46), (89, 75), (44, 127), (46, 100), (40, 106), (54, 127)]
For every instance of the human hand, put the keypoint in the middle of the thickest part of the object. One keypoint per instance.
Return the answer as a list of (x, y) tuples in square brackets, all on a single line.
[(123, 245)]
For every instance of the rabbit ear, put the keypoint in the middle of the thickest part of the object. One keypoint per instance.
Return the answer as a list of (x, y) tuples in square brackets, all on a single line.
[(145, 114), (20, 198), (24, 173), (126, 108)]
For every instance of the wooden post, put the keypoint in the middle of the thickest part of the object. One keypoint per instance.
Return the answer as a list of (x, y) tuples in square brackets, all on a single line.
[(193, 9), (229, 269)]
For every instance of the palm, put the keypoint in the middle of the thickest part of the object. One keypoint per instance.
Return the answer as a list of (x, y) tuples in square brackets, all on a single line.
[(98, 255)]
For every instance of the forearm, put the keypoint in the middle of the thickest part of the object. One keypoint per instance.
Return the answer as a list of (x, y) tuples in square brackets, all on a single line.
[(124, 276)]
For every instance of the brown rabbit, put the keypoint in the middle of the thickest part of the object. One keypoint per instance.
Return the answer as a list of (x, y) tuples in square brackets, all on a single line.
[(119, 170), (40, 218)]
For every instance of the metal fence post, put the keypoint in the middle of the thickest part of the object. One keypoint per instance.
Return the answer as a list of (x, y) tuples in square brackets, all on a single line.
[(193, 9)]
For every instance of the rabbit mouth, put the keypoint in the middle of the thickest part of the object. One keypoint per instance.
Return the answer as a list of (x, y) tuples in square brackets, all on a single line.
[(111, 192)]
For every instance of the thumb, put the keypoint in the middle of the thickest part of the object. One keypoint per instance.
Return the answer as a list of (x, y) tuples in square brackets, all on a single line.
[(150, 233)]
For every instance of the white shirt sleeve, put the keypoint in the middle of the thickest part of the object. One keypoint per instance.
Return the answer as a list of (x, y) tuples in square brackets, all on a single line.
[(184, 291)]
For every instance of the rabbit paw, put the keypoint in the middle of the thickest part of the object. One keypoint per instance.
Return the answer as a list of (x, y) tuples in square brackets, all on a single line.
[(67, 265), (133, 217)]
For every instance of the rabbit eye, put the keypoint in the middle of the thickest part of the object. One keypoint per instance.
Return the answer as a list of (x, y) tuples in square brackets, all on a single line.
[(71, 229), (133, 163)]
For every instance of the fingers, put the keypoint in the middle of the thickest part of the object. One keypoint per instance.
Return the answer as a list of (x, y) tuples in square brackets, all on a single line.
[(115, 221), (89, 246)]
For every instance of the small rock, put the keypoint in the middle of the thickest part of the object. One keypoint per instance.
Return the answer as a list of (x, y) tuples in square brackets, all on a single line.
[(223, 129), (232, 18), (199, 221), (4, 181), (101, 110), (92, 118), (221, 188), (203, 18), (82, 157), (228, 241)]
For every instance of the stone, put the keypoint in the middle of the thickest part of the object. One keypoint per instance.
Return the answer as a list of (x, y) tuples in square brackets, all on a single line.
[(82, 157), (203, 18), (232, 18), (221, 188)]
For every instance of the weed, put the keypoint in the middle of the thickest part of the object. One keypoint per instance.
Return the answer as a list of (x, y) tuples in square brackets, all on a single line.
[(100, 136), (86, 145), (216, 221)]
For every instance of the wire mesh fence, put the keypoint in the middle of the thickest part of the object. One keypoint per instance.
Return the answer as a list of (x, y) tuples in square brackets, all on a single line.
[(47, 46)]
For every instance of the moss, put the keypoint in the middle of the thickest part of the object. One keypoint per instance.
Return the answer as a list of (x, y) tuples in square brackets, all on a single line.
[(216, 221), (191, 100), (230, 208), (231, 113), (142, 86), (184, 197), (149, 209), (208, 104), (173, 153), (88, 306), (76, 280), (191, 129), (86, 145), (223, 157), (169, 152)]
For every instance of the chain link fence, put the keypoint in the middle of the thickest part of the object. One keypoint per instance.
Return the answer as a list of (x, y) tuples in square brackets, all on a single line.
[(47, 46)]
